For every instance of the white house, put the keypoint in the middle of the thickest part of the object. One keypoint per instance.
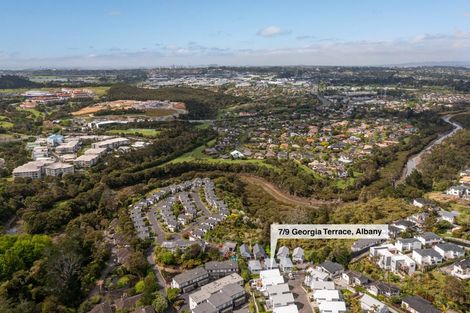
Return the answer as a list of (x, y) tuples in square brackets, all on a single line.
[(254, 266), (354, 278), (277, 290), (332, 307), (286, 309), (319, 285), (326, 295), (426, 257), (408, 244), (315, 274), (298, 255), (370, 304), (402, 264), (461, 269), (280, 300), (270, 278), (283, 252), (449, 250), (286, 265), (457, 191), (376, 251), (270, 264), (428, 238), (416, 304), (448, 216)]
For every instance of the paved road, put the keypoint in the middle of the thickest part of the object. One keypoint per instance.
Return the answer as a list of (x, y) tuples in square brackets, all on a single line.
[(300, 296), (159, 234), (199, 204), (161, 281)]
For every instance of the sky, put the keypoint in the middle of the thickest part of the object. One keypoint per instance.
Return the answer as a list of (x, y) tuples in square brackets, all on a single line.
[(151, 33)]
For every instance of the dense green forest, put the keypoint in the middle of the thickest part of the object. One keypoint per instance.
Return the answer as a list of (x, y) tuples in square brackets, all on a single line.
[(463, 119), (439, 168), (13, 81), (201, 103)]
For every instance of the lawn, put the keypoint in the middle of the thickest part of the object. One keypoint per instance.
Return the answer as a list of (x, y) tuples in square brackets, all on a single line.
[(145, 132)]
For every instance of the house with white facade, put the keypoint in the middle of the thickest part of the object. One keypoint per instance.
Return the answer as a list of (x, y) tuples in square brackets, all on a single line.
[(449, 250), (370, 304), (298, 255), (408, 244), (402, 264), (326, 295), (428, 239), (461, 269), (426, 257)]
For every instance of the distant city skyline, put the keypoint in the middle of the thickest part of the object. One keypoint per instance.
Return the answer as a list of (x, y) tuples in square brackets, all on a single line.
[(146, 33)]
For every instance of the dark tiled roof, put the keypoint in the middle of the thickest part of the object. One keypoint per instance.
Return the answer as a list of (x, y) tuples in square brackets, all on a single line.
[(421, 305), (332, 267), (189, 275)]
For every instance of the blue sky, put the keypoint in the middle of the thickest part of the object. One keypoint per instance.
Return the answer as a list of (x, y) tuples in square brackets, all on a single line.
[(146, 33)]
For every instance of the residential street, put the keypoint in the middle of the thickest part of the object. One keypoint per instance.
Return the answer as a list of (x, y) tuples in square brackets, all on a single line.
[(300, 296)]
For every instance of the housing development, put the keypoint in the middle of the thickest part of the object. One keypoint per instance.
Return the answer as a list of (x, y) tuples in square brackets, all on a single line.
[(182, 199), (234, 156)]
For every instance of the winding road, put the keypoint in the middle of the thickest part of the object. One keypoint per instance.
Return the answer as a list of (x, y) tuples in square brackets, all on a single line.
[(415, 160)]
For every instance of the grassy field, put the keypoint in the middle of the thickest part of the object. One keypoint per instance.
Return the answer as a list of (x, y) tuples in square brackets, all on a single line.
[(198, 155), (5, 136), (100, 90), (146, 132), (6, 124), (34, 112), (159, 112)]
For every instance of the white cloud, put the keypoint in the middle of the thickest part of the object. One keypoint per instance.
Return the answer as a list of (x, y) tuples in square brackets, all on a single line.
[(454, 47), (270, 31)]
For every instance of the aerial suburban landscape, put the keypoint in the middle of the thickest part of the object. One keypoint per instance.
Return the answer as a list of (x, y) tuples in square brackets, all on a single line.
[(149, 181)]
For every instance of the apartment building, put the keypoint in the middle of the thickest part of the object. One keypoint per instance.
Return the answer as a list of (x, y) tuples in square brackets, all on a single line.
[(224, 285), (191, 279), (86, 160), (111, 143), (68, 147), (58, 169), (220, 269), (33, 169)]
